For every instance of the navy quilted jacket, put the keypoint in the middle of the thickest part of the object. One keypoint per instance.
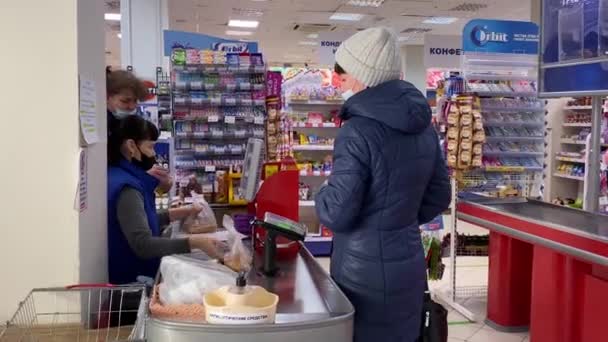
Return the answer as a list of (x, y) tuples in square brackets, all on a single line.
[(389, 176)]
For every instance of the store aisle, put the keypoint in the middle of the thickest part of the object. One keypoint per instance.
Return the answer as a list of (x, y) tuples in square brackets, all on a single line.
[(460, 329)]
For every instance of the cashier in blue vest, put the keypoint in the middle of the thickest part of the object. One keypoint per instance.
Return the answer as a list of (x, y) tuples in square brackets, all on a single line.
[(135, 242)]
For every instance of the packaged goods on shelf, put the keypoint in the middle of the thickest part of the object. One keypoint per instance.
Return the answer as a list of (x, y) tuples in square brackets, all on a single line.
[(219, 101), (465, 133)]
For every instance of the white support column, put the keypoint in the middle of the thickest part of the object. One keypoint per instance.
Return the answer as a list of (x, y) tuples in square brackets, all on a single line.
[(142, 25), (413, 66), (45, 241), (535, 11)]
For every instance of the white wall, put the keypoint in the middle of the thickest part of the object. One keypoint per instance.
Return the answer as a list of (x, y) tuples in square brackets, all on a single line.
[(39, 228), (93, 221), (413, 66)]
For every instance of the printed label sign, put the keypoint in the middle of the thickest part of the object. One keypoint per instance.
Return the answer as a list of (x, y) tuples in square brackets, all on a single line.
[(500, 36), (441, 51), (329, 42)]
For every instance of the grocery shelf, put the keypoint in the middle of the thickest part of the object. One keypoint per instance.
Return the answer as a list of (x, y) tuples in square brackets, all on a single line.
[(504, 94), (489, 77), (571, 160), (314, 174), (307, 203), (577, 178), (313, 147), (321, 125), (253, 69), (513, 124), (572, 141), (511, 110), (318, 239), (578, 108), (512, 168), (508, 138), (314, 103), (583, 124), (513, 153)]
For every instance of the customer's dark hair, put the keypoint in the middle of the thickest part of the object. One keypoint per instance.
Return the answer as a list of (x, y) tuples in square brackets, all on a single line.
[(131, 127), (120, 80), (338, 69)]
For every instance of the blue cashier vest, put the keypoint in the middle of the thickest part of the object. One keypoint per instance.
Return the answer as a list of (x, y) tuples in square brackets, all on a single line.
[(123, 265)]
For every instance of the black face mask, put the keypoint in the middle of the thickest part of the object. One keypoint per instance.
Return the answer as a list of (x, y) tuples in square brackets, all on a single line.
[(146, 162)]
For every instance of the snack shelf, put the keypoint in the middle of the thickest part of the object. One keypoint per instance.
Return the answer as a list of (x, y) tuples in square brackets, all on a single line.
[(185, 86), (512, 168), (292, 102), (580, 124), (513, 124), (490, 77), (187, 101), (307, 203), (220, 118), (566, 176), (511, 138), (210, 154), (571, 160), (220, 68), (505, 94), (313, 147), (513, 153), (578, 108), (512, 110), (321, 125), (314, 174)]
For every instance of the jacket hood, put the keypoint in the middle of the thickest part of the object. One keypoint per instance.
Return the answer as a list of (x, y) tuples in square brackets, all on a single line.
[(397, 104)]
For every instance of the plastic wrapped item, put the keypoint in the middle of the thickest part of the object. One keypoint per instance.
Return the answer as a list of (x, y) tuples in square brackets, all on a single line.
[(187, 280), (238, 258), (204, 222)]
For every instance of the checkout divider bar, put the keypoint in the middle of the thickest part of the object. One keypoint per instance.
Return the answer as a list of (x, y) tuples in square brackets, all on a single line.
[(559, 247)]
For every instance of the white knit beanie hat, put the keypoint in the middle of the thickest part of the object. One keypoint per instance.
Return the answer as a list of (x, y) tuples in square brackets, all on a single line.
[(371, 56)]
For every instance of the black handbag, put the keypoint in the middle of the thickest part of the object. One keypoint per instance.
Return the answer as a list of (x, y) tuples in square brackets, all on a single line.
[(434, 325)]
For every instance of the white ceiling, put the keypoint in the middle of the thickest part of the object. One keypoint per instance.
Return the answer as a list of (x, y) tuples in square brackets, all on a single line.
[(279, 41)]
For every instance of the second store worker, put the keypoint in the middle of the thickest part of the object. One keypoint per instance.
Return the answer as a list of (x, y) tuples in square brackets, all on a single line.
[(135, 244)]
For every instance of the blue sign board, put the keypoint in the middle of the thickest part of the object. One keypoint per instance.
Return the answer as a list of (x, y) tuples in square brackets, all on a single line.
[(500, 36), (189, 40), (574, 48)]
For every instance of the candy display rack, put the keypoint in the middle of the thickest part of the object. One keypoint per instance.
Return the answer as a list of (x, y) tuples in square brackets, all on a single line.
[(218, 102), (513, 117)]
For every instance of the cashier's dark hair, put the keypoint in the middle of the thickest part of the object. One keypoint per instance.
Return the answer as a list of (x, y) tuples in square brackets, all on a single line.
[(131, 127)]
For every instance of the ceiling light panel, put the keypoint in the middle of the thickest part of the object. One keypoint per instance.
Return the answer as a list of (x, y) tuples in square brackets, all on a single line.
[(308, 42), (440, 20), (313, 36), (238, 33), (112, 16), (339, 16), (365, 3), (243, 23)]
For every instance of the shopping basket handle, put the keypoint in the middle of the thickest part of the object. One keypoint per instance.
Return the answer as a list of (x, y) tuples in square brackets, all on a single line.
[(83, 286)]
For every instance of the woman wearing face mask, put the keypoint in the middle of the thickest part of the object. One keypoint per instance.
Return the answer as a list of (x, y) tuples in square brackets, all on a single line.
[(388, 177), (124, 90), (135, 245)]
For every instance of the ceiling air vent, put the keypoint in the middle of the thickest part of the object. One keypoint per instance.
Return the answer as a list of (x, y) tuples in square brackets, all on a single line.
[(416, 30), (313, 28), (469, 7), (247, 12)]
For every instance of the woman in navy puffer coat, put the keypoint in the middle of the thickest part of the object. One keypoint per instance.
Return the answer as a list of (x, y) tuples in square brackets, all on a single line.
[(389, 176)]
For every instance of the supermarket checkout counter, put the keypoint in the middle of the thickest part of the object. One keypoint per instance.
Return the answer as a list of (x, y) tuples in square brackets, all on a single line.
[(548, 268), (311, 308)]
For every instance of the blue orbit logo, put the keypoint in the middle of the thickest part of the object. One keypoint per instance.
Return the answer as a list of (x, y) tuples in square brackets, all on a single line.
[(480, 36)]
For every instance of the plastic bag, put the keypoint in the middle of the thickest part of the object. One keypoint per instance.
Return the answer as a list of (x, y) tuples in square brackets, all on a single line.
[(204, 222), (186, 280), (238, 258)]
